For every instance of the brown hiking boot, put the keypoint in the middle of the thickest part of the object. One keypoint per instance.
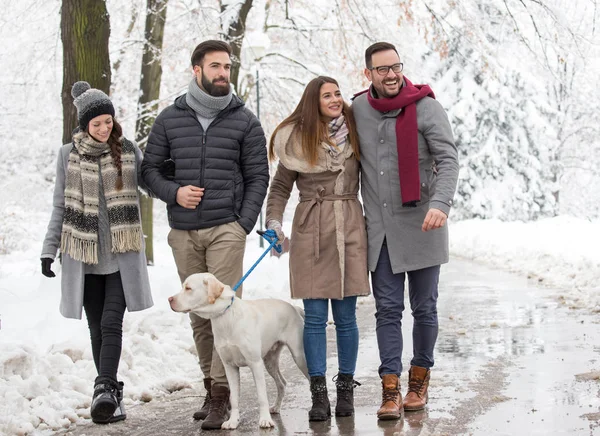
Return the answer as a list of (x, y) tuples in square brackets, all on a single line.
[(418, 383), (203, 412), (220, 408), (391, 398)]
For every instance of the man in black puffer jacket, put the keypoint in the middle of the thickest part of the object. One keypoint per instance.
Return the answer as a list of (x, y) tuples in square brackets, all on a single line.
[(218, 150)]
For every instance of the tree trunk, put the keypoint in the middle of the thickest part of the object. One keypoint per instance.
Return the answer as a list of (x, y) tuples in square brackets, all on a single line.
[(85, 30), (234, 34), (148, 102)]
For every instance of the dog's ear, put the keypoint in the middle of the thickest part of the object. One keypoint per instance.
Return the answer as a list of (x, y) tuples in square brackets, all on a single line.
[(215, 289)]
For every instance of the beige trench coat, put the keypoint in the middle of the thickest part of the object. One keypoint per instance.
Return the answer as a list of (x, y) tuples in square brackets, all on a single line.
[(328, 249)]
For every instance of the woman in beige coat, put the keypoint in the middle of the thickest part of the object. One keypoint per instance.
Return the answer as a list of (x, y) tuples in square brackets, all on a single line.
[(317, 147)]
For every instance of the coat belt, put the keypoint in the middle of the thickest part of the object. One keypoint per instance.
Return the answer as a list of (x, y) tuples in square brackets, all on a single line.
[(316, 202)]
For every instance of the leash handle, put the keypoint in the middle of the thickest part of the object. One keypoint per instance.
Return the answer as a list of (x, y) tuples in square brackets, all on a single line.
[(271, 237)]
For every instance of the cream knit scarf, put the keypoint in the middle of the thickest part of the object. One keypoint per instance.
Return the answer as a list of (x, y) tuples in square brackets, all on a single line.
[(79, 237)]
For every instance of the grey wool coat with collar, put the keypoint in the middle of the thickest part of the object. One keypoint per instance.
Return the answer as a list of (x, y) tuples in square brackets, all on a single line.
[(409, 247), (132, 265)]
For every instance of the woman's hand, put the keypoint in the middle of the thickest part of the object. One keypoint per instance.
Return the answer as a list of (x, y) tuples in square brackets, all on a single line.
[(276, 227), (46, 267)]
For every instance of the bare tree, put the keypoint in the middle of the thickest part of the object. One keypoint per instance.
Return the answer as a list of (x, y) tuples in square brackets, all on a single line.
[(85, 30), (151, 74), (233, 18)]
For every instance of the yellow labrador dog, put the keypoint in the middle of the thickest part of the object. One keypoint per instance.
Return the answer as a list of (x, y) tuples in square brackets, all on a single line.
[(246, 333)]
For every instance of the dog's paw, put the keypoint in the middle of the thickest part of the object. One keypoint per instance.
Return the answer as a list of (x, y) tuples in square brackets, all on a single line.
[(265, 423), (274, 410), (230, 425)]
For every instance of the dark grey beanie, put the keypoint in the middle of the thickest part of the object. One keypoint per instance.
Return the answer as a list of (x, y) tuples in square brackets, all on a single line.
[(90, 103)]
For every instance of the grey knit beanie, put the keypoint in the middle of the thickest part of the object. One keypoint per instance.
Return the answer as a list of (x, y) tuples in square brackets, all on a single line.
[(90, 103)]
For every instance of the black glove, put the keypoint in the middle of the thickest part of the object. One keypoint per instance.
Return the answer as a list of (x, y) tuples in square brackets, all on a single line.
[(167, 169), (46, 270)]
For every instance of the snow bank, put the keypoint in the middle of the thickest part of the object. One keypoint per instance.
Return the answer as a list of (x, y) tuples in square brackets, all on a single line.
[(560, 252)]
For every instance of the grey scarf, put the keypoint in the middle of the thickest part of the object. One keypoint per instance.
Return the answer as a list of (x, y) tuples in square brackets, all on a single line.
[(204, 104)]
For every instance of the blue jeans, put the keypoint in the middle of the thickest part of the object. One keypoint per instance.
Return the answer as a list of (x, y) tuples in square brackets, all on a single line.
[(315, 339), (388, 290)]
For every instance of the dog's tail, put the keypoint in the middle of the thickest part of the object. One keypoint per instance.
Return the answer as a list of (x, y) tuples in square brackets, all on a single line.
[(300, 311)]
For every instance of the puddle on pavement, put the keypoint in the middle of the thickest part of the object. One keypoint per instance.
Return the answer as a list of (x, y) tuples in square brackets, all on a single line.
[(537, 347), (364, 423)]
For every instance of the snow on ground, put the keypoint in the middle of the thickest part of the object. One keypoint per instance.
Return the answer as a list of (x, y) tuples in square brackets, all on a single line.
[(46, 366), (560, 252)]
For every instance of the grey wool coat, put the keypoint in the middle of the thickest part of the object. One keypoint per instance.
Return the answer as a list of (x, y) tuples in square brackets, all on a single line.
[(328, 249), (132, 265), (409, 247)]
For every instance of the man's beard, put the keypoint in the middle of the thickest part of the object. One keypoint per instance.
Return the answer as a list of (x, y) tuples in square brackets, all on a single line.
[(384, 93), (215, 90)]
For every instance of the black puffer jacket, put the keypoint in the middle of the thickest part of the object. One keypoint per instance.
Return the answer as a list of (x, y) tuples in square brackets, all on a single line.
[(229, 160)]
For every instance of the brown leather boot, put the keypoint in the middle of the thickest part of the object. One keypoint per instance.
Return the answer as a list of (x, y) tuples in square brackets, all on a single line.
[(203, 412), (391, 398), (220, 408), (418, 383)]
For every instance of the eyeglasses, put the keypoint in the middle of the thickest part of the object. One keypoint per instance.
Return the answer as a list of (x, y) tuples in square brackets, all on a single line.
[(384, 69)]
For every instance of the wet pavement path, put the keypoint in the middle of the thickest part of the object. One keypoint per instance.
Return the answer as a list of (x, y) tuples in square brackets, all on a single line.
[(511, 359)]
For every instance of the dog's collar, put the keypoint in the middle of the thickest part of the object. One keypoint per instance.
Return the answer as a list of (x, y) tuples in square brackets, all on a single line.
[(230, 304)]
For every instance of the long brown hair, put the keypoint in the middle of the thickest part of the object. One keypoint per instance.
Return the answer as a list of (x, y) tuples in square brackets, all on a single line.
[(311, 126), (115, 141)]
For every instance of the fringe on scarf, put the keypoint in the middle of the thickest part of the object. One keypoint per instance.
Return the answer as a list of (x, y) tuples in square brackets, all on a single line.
[(124, 240), (82, 250)]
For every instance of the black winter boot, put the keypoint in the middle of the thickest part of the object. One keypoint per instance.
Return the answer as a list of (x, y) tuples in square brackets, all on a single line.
[(321, 409), (220, 408), (345, 385), (119, 414), (104, 401), (203, 412)]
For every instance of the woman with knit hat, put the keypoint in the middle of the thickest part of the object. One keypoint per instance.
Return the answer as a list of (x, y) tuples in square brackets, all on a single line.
[(96, 224)]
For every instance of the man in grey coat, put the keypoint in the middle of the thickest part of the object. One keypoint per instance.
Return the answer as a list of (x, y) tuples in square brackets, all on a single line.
[(409, 173), (214, 194)]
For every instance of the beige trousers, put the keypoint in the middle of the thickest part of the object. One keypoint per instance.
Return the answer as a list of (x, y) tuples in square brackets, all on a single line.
[(218, 250)]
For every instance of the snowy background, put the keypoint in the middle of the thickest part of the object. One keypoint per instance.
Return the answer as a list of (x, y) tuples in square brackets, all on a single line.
[(523, 103)]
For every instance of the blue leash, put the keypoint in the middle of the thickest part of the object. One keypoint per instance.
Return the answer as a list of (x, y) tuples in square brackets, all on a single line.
[(271, 238)]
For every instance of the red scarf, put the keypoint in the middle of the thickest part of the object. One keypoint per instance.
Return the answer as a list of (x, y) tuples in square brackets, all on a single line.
[(407, 137)]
